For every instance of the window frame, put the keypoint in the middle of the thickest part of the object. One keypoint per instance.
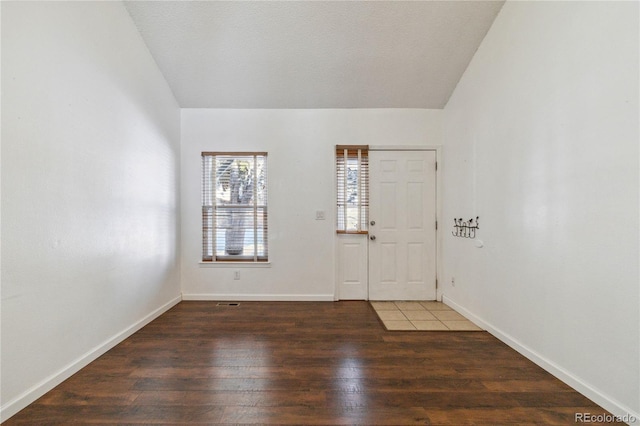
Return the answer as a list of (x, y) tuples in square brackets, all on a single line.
[(345, 154), (258, 212)]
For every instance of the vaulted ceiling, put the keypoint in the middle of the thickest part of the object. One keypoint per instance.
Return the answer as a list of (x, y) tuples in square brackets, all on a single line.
[(313, 54)]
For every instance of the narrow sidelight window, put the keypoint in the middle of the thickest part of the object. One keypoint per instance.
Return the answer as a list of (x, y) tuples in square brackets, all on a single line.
[(234, 206), (352, 177)]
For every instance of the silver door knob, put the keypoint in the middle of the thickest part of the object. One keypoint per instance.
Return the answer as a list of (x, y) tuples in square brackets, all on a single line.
[(372, 238), (373, 222)]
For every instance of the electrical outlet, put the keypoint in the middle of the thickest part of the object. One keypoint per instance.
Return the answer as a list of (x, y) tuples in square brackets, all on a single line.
[(320, 215), (236, 275)]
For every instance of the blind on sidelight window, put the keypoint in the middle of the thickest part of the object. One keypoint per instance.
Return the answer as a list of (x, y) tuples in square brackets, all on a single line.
[(352, 177)]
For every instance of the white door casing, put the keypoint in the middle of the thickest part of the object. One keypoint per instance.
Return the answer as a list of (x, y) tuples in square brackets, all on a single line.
[(402, 231)]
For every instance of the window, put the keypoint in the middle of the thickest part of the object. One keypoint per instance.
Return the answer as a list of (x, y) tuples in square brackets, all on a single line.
[(234, 206), (352, 170)]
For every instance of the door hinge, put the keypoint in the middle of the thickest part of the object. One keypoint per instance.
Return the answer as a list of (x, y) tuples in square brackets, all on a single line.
[(436, 225), (436, 283), (436, 165)]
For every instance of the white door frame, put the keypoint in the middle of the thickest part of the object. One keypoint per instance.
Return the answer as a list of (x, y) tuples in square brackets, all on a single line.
[(438, 151)]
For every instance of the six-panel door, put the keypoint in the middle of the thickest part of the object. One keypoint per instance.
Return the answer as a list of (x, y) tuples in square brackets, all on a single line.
[(402, 242)]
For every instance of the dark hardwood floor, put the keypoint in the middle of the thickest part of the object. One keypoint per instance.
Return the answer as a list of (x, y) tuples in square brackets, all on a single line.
[(304, 363)]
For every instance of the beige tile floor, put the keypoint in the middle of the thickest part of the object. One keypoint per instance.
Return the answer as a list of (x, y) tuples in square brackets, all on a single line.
[(425, 316)]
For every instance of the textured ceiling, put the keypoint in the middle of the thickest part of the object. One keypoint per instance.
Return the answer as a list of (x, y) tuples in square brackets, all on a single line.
[(313, 54)]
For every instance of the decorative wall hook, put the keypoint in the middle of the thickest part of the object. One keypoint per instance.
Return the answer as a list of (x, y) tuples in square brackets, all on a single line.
[(466, 229)]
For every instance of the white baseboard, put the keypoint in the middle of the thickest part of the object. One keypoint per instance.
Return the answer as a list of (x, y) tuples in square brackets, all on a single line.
[(600, 398), (21, 401), (260, 297)]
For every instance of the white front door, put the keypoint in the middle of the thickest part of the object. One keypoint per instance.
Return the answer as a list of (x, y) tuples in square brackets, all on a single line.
[(402, 231)]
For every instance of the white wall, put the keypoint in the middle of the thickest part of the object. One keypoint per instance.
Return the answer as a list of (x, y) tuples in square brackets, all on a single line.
[(90, 159), (301, 158), (541, 142)]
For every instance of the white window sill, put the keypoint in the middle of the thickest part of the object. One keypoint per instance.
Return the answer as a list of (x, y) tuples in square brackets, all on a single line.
[(222, 264)]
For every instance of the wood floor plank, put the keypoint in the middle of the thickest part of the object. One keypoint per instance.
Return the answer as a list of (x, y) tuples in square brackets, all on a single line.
[(304, 363)]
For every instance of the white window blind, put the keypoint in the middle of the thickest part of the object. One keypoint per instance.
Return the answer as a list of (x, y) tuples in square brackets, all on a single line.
[(352, 176), (234, 206)]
